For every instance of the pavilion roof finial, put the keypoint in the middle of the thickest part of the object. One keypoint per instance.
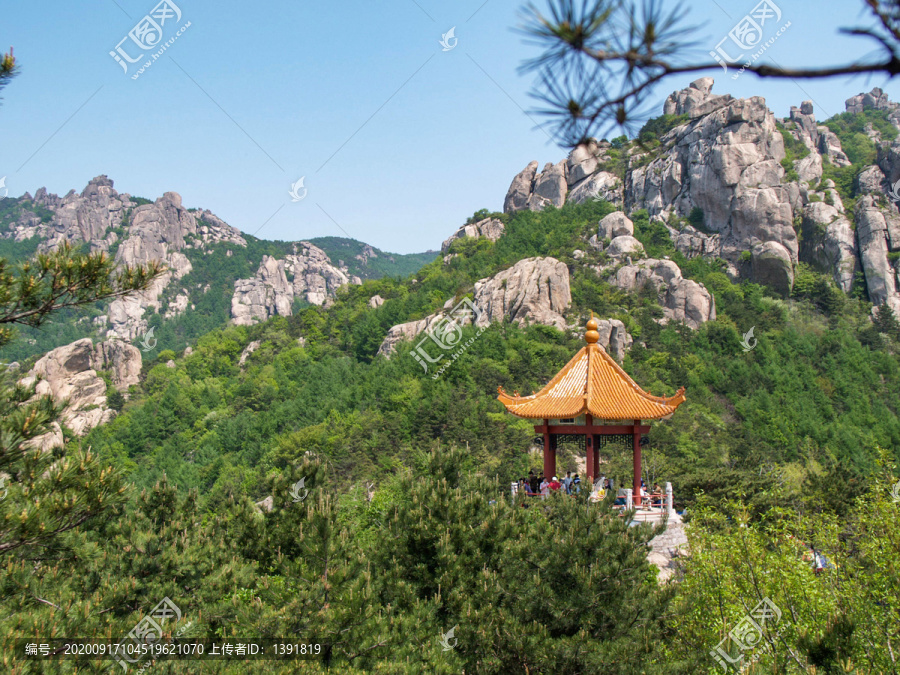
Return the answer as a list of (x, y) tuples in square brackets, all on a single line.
[(591, 336)]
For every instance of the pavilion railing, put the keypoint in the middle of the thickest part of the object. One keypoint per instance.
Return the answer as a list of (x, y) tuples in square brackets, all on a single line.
[(659, 501)]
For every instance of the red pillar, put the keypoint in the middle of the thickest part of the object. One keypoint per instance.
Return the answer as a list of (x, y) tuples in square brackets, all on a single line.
[(589, 464), (596, 456), (636, 455), (549, 452), (590, 443)]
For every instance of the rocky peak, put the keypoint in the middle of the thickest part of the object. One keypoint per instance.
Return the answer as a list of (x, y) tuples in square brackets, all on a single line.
[(69, 374), (367, 253), (550, 187), (533, 290), (805, 119), (489, 228), (874, 100), (96, 185), (683, 300), (577, 179), (878, 232), (726, 163), (520, 189), (696, 100), (308, 274)]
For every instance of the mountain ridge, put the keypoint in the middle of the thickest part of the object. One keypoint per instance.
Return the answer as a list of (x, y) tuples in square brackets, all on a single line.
[(135, 230)]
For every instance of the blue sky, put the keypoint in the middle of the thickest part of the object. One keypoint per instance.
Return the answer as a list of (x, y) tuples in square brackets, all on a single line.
[(398, 140)]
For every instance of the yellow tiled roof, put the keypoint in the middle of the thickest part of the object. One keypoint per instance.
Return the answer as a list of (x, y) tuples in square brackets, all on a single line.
[(592, 382)]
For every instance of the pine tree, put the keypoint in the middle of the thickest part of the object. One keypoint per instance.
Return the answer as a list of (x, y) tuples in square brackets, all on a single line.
[(48, 493), (886, 322)]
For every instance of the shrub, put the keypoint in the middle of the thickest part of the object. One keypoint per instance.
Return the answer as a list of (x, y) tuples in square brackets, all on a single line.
[(658, 127)]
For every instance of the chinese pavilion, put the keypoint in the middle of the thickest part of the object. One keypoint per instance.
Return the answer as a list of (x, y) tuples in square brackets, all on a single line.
[(592, 396)]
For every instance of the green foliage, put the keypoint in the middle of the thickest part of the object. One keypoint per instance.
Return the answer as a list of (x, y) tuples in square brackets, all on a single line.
[(15, 209), (844, 178), (841, 616), (658, 127), (615, 160), (654, 236), (115, 400), (697, 219), (794, 150), (49, 493), (851, 128), (818, 288), (379, 265), (479, 215), (10, 249), (408, 528), (32, 290), (886, 321)]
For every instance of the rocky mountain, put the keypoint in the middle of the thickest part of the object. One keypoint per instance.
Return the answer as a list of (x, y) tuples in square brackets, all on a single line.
[(69, 375), (723, 177), (490, 228), (205, 258), (731, 181), (533, 290), (307, 274)]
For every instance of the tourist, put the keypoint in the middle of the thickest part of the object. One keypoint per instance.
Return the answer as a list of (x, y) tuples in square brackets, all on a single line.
[(555, 485), (576, 484), (534, 482), (545, 488), (567, 482), (656, 489), (524, 487)]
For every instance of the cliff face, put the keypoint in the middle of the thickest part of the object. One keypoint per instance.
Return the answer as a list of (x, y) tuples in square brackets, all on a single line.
[(307, 275), (69, 374), (534, 290), (726, 163), (137, 232)]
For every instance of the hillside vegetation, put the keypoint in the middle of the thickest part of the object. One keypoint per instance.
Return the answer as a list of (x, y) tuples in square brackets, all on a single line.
[(812, 400), (407, 529)]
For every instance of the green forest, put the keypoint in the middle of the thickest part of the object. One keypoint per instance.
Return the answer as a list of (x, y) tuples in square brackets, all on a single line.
[(409, 530), (287, 481)]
